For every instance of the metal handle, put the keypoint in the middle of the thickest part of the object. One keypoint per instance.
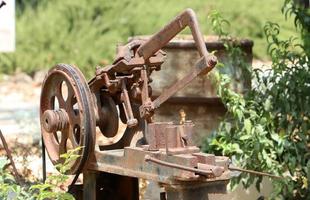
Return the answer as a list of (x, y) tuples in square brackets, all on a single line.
[(203, 66), (162, 37), (207, 173)]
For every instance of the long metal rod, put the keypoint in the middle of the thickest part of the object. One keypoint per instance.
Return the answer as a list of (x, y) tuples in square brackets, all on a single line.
[(148, 158), (203, 172), (202, 65), (9, 155), (254, 172)]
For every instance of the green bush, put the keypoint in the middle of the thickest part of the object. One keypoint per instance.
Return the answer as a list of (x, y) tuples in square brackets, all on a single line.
[(268, 129)]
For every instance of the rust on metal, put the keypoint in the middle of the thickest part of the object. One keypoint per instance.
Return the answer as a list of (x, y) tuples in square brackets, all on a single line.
[(66, 113), (162, 37), (111, 118), (203, 169)]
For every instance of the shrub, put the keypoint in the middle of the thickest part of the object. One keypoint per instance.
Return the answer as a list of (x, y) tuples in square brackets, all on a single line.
[(268, 129)]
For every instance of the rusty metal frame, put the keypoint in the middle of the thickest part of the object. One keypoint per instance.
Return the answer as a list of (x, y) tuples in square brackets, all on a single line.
[(131, 162), (169, 158)]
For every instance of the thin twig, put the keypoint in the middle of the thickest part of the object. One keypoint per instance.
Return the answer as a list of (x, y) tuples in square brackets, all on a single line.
[(9, 156)]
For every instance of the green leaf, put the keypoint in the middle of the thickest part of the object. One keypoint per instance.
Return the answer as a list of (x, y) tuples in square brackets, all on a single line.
[(228, 127), (245, 137), (239, 114), (275, 137), (3, 162), (247, 126), (236, 148)]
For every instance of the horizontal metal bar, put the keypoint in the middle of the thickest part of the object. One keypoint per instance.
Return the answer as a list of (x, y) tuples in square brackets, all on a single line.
[(254, 172), (202, 66), (172, 165), (215, 101), (190, 44)]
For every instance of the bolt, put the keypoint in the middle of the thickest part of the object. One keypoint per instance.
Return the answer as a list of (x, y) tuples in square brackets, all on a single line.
[(212, 61), (54, 120)]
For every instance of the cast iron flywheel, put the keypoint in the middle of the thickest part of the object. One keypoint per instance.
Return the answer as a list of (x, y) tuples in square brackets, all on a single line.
[(66, 115)]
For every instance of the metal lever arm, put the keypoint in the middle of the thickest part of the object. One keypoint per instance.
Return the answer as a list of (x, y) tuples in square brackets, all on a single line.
[(148, 158), (131, 121), (203, 66), (212, 170), (161, 38)]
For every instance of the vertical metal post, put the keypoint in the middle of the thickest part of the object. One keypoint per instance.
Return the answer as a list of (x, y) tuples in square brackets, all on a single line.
[(89, 185), (43, 160)]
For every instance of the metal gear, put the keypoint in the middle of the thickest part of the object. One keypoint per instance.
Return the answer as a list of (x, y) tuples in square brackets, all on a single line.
[(125, 137)]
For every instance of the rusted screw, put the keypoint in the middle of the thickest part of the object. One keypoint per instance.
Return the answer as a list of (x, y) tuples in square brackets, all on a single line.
[(98, 70)]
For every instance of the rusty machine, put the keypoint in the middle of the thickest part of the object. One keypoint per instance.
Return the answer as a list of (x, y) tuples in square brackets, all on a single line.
[(111, 118)]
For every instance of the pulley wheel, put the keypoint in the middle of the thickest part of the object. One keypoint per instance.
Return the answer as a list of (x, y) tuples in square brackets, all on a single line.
[(126, 136), (66, 117), (108, 115)]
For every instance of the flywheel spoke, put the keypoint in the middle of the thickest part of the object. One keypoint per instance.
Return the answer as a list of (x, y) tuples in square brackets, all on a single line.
[(73, 140), (61, 101), (63, 142)]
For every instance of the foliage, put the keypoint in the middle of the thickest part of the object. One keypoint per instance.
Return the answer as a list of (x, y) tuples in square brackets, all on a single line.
[(8, 188), (86, 33), (236, 63), (268, 128), (300, 9), (52, 188)]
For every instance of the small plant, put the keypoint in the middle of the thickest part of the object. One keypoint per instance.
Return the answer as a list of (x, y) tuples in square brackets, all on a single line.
[(220, 26), (52, 188), (8, 187), (236, 65)]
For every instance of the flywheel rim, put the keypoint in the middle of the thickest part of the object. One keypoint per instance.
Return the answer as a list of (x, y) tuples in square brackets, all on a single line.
[(80, 126)]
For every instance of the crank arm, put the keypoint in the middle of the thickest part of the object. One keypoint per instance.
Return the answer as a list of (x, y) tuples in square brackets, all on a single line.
[(161, 38), (131, 120), (203, 66)]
